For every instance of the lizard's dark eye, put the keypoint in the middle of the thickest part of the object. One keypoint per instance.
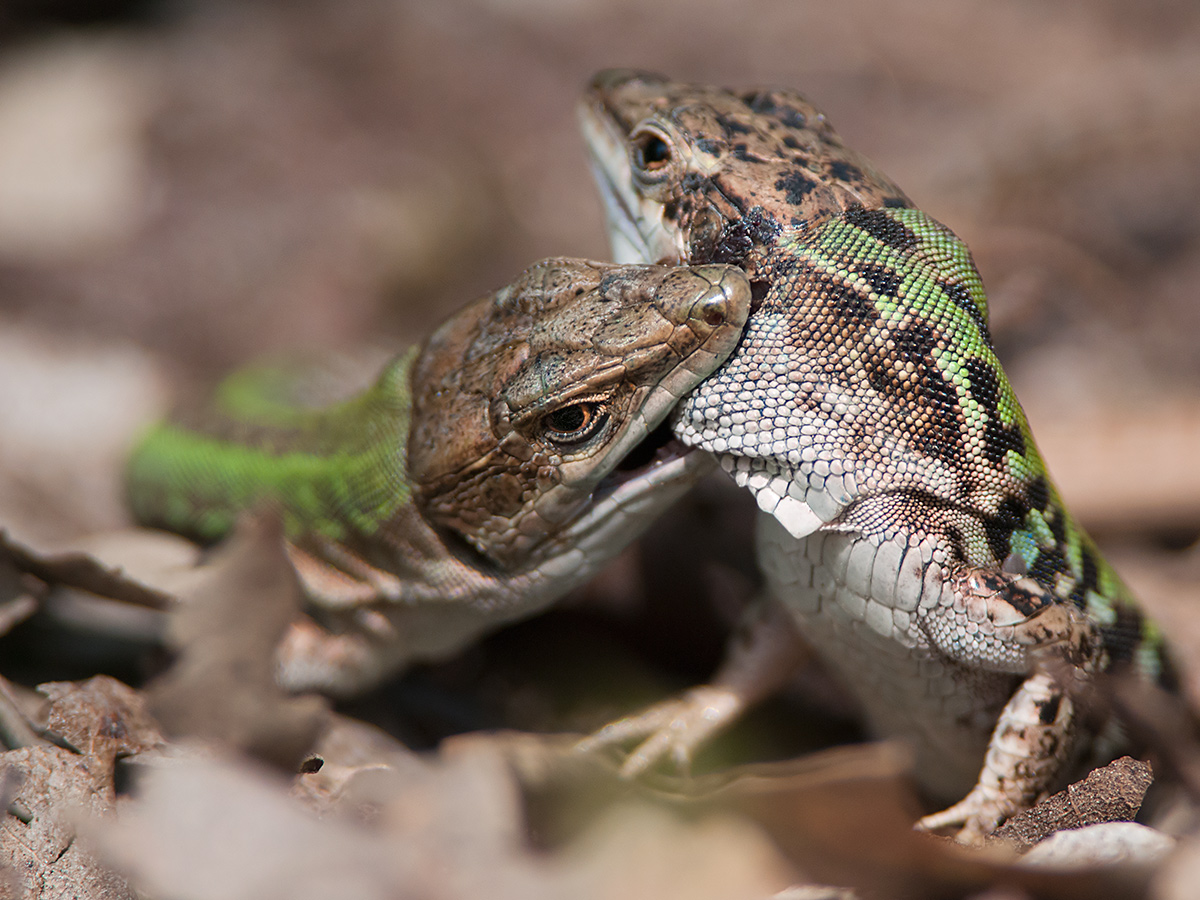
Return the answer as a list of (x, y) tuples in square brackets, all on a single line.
[(651, 152), (575, 423)]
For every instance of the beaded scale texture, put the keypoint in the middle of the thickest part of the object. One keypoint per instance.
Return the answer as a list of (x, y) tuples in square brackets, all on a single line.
[(910, 527)]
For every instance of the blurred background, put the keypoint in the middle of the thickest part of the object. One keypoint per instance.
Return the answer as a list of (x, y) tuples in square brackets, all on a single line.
[(187, 185)]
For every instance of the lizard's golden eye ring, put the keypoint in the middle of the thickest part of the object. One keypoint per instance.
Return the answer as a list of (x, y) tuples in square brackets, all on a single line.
[(575, 423), (650, 152)]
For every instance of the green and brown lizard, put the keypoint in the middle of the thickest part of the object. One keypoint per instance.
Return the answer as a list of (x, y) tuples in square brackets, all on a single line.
[(909, 527), (478, 479)]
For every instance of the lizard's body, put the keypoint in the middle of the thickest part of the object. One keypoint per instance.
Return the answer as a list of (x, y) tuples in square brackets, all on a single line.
[(909, 526), (479, 479)]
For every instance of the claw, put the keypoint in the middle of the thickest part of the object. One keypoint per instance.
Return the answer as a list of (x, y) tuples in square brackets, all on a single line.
[(977, 816), (673, 728)]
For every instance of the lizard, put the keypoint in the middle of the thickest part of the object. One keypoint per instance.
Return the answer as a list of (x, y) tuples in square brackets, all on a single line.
[(908, 528), (477, 480)]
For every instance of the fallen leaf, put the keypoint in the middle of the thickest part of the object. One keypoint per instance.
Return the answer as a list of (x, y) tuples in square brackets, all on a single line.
[(222, 684)]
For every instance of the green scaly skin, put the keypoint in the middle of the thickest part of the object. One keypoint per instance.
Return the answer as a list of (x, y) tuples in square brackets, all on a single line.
[(910, 528), (334, 471), (480, 477)]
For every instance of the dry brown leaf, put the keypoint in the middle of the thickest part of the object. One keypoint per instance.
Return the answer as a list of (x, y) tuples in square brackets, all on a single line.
[(844, 817), (222, 685), (81, 570), (449, 826), (101, 718), (1112, 793), (40, 846)]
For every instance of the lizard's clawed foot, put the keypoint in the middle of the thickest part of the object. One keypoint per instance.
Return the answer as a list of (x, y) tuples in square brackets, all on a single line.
[(674, 728), (977, 815)]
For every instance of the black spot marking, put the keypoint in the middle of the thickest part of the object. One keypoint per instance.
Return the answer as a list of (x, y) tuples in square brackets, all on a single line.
[(1122, 637), (732, 126), (896, 203), (791, 143), (1058, 526), (741, 153), (852, 306), (797, 187), (884, 282), (1078, 596), (758, 293), (1010, 516), (692, 183), (1048, 709), (882, 227), (738, 238), (881, 380), (1089, 580), (940, 436), (671, 210), (1038, 493), (961, 297), (708, 145), (1011, 513), (767, 105), (792, 118), (955, 539), (998, 437), (1025, 601), (1049, 564), (844, 171)]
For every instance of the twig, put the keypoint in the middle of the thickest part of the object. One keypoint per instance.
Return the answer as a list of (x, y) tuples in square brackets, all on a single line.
[(15, 730)]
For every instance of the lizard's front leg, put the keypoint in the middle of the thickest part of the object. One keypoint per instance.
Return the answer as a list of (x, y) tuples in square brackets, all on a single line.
[(1006, 622)]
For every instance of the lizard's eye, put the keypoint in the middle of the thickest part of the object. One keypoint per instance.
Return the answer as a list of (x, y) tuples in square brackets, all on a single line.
[(575, 423), (650, 152)]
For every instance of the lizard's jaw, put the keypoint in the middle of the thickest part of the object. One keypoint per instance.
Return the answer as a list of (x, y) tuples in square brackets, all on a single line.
[(657, 461), (653, 475), (658, 448), (636, 230)]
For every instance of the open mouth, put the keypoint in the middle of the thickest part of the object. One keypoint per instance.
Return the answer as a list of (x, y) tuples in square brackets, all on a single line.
[(657, 449), (652, 476)]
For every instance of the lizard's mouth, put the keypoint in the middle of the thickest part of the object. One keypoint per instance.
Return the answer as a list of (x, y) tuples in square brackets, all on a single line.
[(653, 475), (657, 449), (659, 446), (636, 230)]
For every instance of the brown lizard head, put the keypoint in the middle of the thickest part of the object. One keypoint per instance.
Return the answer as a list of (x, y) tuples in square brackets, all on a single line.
[(694, 173), (536, 411)]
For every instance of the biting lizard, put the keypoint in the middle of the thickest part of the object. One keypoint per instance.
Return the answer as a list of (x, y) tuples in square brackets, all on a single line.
[(908, 525), (477, 480)]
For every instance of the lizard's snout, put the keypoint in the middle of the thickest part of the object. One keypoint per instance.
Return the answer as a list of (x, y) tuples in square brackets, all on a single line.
[(614, 79), (707, 298)]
